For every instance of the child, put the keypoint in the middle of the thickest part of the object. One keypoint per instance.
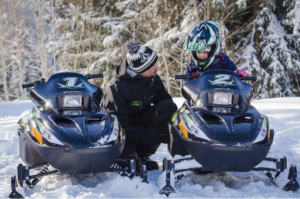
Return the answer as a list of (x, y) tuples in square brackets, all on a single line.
[(203, 42)]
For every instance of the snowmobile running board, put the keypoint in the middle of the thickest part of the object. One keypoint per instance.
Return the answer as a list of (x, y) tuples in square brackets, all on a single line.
[(281, 165), (133, 171), (23, 174), (32, 180)]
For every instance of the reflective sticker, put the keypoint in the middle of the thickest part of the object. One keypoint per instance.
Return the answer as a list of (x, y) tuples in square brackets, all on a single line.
[(37, 135), (121, 133), (183, 130)]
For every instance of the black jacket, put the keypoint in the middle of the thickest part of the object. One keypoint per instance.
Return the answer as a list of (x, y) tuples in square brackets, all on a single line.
[(129, 96)]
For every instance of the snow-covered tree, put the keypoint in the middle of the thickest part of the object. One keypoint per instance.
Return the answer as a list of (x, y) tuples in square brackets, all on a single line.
[(268, 54), (260, 36)]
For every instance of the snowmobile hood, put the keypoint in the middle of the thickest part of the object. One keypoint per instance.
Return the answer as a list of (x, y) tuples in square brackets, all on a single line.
[(64, 82), (237, 129), (50, 94), (200, 91), (82, 130), (225, 129)]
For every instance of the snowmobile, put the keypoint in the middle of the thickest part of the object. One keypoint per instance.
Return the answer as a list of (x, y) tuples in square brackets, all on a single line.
[(68, 130), (217, 129)]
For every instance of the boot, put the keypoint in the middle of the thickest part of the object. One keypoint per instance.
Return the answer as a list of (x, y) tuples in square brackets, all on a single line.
[(150, 164)]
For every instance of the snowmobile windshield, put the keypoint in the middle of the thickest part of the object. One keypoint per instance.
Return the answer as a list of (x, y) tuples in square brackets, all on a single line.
[(68, 93), (218, 91)]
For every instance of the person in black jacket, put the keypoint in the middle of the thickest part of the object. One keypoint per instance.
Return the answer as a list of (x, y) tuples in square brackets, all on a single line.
[(138, 97)]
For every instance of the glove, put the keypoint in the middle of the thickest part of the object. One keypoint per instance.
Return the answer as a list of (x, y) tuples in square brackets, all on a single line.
[(150, 136), (154, 136), (165, 137), (196, 74), (241, 72)]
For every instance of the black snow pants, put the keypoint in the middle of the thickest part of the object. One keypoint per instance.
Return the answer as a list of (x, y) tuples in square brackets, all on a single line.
[(158, 117)]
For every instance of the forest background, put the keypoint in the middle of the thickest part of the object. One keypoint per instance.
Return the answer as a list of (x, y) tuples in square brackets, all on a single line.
[(41, 37)]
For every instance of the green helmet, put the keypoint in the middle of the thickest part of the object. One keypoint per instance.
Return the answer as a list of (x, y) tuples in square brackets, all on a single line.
[(204, 37)]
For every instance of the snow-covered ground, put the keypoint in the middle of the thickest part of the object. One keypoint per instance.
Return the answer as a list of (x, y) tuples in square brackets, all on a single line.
[(284, 117)]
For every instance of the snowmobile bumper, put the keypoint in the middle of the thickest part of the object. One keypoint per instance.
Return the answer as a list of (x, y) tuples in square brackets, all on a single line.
[(69, 160), (225, 158)]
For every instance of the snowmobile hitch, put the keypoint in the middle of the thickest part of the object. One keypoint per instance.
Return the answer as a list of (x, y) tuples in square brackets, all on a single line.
[(23, 174)]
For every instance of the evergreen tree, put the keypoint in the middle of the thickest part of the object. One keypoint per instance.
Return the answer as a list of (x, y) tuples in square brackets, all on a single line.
[(268, 55)]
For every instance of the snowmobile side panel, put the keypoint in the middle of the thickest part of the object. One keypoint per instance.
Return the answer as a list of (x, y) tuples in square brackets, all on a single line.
[(27, 151), (175, 146), (70, 160), (225, 158)]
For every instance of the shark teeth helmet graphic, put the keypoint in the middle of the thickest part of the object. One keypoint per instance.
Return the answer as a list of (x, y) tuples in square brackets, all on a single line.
[(202, 37)]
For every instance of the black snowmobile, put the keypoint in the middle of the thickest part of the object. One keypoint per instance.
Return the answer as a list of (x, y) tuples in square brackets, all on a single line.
[(68, 130), (217, 129)]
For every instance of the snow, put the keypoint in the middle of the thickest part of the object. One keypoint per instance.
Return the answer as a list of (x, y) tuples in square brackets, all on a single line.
[(283, 115)]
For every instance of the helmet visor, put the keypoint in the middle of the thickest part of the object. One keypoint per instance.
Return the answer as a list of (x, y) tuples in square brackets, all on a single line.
[(199, 43), (206, 49)]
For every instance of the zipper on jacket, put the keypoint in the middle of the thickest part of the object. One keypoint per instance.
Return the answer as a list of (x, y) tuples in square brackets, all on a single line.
[(145, 97), (141, 105)]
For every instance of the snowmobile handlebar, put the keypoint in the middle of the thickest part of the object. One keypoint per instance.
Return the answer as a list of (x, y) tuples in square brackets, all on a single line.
[(248, 78), (35, 83), (188, 76), (196, 75), (27, 85), (88, 76), (181, 77)]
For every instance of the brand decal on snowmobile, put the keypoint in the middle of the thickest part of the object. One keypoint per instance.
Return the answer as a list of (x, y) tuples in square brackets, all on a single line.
[(222, 80), (71, 83), (135, 103)]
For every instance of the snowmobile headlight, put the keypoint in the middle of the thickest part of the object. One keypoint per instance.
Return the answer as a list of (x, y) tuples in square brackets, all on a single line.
[(72, 101), (222, 98)]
